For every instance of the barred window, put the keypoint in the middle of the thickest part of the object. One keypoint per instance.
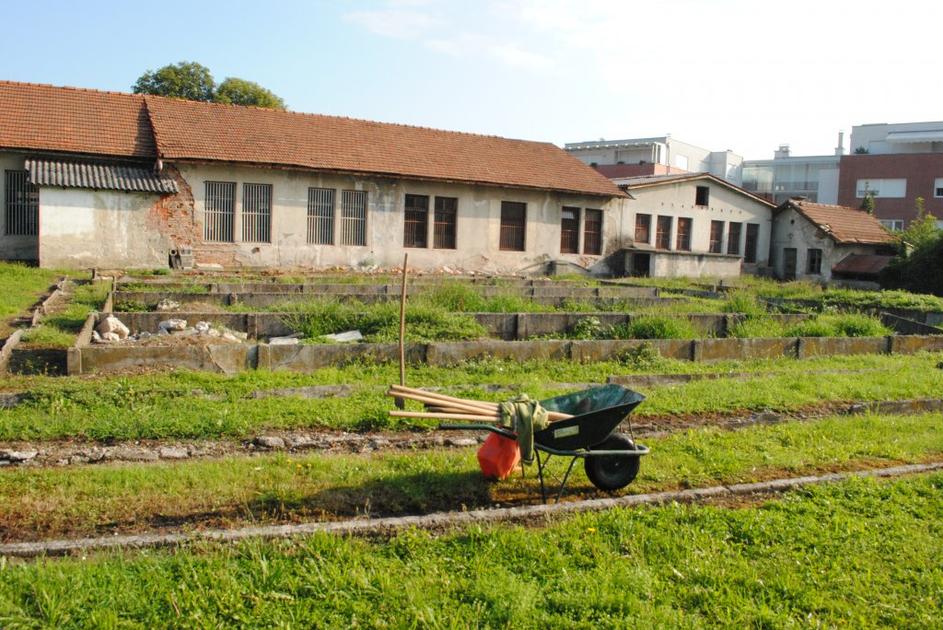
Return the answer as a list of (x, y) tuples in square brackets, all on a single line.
[(592, 232), (643, 228), (219, 209), (513, 224), (257, 213), (753, 236), (733, 238), (683, 242), (416, 224), (814, 264), (445, 226), (354, 217), (717, 237), (570, 231), (21, 204), (321, 216), (663, 233)]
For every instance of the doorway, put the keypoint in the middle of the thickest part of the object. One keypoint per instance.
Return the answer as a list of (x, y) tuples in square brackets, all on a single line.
[(789, 263), (641, 265)]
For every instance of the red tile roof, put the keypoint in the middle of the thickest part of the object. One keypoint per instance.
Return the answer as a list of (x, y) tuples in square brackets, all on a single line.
[(844, 225), (71, 120), (192, 130)]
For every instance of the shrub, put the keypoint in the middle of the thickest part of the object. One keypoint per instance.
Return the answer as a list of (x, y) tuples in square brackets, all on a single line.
[(744, 302), (643, 356), (587, 328), (655, 327)]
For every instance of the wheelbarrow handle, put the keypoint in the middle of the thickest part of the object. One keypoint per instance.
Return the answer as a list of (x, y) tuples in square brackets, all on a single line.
[(449, 426)]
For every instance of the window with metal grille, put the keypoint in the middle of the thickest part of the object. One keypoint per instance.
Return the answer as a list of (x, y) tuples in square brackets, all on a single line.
[(717, 237), (445, 228), (354, 217), (702, 196), (21, 204), (753, 237), (513, 224), (257, 213), (663, 233), (683, 242), (733, 238), (321, 216), (569, 230), (592, 232), (219, 210), (643, 228), (814, 261), (416, 225)]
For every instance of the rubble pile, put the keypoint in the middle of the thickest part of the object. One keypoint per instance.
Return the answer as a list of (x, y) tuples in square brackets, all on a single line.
[(173, 330)]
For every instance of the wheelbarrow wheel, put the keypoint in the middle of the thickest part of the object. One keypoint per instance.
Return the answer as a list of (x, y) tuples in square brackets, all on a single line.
[(612, 472)]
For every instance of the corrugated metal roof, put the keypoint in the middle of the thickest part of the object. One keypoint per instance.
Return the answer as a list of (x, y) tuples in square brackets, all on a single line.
[(864, 264), (98, 176)]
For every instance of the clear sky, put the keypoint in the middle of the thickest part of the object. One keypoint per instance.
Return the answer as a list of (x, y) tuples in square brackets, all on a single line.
[(743, 75)]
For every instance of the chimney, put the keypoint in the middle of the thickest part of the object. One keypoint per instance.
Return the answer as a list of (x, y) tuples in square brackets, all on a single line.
[(840, 149), (781, 152)]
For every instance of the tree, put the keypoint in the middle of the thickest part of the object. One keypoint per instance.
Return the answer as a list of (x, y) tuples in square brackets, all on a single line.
[(922, 231), (867, 204), (235, 91), (918, 265), (187, 79)]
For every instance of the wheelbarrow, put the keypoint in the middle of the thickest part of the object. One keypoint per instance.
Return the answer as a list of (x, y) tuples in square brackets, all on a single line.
[(611, 459)]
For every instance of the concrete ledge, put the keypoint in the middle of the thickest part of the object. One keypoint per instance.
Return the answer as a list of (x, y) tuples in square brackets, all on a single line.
[(444, 520)]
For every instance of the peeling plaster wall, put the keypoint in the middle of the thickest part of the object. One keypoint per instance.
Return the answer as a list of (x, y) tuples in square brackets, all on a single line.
[(99, 228), (13, 247), (478, 223)]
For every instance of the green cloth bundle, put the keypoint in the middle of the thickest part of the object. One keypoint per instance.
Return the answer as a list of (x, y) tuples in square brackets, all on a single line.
[(524, 416)]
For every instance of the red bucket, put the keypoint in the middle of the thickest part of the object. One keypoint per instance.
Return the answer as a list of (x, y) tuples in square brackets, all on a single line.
[(498, 456)]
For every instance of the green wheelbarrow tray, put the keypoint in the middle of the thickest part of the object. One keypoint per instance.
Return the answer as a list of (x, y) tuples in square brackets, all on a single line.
[(611, 459)]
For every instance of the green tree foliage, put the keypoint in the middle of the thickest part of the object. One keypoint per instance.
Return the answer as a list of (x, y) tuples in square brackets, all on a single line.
[(193, 81), (235, 91), (867, 204), (918, 266), (187, 79)]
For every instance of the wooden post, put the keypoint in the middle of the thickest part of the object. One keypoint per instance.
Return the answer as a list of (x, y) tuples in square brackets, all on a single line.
[(400, 403)]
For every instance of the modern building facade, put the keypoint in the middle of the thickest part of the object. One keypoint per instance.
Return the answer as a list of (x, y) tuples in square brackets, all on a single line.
[(694, 224), (896, 164), (111, 180), (663, 155), (814, 177)]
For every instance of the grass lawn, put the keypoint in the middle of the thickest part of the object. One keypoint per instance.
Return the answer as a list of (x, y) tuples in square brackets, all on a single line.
[(20, 288), (59, 330), (84, 500), (859, 554), (177, 405)]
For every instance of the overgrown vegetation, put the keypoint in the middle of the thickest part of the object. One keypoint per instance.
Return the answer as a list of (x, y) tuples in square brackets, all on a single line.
[(20, 287), (655, 327), (59, 329), (862, 554), (919, 263)]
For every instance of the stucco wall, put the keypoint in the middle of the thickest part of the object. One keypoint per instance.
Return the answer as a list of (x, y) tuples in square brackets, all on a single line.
[(478, 223), (88, 228), (793, 230), (677, 200), (13, 247)]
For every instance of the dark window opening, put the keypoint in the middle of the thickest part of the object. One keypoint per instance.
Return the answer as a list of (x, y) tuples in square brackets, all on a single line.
[(753, 237), (416, 225), (814, 261), (643, 228), (21, 205), (703, 196), (683, 242), (513, 223), (733, 238), (592, 233), (663, 233), (717, 237), (570, 230), (445, 228)]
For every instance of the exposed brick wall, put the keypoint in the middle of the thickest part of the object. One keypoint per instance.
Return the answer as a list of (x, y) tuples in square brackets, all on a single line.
[(919, 169), (173, 215)]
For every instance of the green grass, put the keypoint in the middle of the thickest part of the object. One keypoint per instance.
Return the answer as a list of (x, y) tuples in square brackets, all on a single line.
[(20, 288), (167, 405), (49, 502), (839, 325), (655, 327), (60, 329), (858, 554)]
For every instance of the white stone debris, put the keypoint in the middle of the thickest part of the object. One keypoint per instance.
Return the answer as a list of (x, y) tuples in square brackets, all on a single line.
[(112, 324), (96, 338), (168, 305), (110, 337), (284, 341), (345, 337), (172, 325), (202, 327)]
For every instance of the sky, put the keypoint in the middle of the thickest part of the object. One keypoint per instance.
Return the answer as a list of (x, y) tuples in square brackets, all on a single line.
[(723, 74)]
